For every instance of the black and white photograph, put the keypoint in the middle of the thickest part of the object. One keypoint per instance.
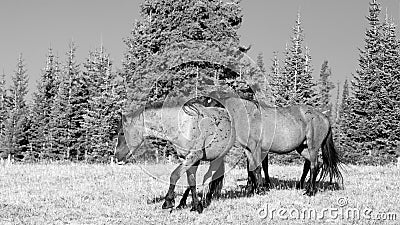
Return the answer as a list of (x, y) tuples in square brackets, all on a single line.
[(199, 112)]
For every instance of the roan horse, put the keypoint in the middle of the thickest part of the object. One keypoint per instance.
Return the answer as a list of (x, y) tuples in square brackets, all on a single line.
[(198, 133), (281, 130)]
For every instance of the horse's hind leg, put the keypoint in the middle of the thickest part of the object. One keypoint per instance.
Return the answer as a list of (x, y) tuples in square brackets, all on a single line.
[(314, 142), (303, 151), (191, 176), (310, 155), (215, 185), (306, 168), (265, 168), (253, 168)]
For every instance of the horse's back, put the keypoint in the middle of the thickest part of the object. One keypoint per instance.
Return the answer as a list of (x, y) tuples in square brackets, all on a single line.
[(285, 128), (316, 118)]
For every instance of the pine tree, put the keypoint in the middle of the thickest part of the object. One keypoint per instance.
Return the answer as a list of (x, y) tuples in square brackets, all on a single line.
[(325, 86), (373, 83), (16, 135), (347, 128), (70, 107), (389, 115), (280, 88), (363, 80), (43, 102), (104, 106), (263, 87), (179, 46), (260, 63), (335, 119), (4, 107), (298, 70)]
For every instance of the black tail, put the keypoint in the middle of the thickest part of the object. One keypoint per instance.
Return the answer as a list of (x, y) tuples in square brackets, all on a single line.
[(215, 186), (331, 160)]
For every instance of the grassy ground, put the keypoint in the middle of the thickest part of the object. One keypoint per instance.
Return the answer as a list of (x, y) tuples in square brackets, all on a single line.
[(112, 194)]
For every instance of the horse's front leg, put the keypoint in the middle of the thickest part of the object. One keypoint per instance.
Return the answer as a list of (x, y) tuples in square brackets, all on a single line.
[(169, 201), (182, 202), (313, 157), (190, 160)]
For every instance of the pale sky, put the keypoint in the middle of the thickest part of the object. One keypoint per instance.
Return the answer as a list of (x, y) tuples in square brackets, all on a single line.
[(334, 30)]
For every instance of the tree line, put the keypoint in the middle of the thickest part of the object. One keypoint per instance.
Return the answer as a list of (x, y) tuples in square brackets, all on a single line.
[(74, 112), (185, 49)]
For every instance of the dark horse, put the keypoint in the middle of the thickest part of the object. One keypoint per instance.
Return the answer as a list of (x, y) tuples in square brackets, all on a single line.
[(281, 130), (198, 133)]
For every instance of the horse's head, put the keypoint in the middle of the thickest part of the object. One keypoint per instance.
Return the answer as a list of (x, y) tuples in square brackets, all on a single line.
[(129, 139)]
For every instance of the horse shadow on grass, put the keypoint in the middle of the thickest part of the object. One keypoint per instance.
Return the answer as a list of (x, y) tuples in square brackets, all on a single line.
[(275, 184)]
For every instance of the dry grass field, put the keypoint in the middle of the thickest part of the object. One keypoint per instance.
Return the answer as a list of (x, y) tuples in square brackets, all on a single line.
[(127, 194)]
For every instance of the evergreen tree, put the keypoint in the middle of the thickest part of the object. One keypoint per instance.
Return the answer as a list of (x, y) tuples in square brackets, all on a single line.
[(335, 112), (4, 107), (104, 106), (335, 119), (280, 88), (16, 135), (388, 96), (325, 86), (70, 106), (263, 89), (373, 87), (347, 128), (363, 81), (260, 63), (43, 101), (179, 46), (297, 70)]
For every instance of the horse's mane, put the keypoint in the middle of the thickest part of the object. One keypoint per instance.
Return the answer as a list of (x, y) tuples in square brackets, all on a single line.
[(178, 102), (237, 96)]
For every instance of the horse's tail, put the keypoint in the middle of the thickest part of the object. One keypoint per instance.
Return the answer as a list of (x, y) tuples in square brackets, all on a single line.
[(217, 182), (331, 159), (192, 108)]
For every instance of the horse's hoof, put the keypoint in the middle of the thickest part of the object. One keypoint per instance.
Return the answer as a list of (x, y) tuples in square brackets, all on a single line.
[(207, 202), (299, 186), (249, 191), (168, 204), (181, 206), (262, 191), (197, 207), (310, 192)]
